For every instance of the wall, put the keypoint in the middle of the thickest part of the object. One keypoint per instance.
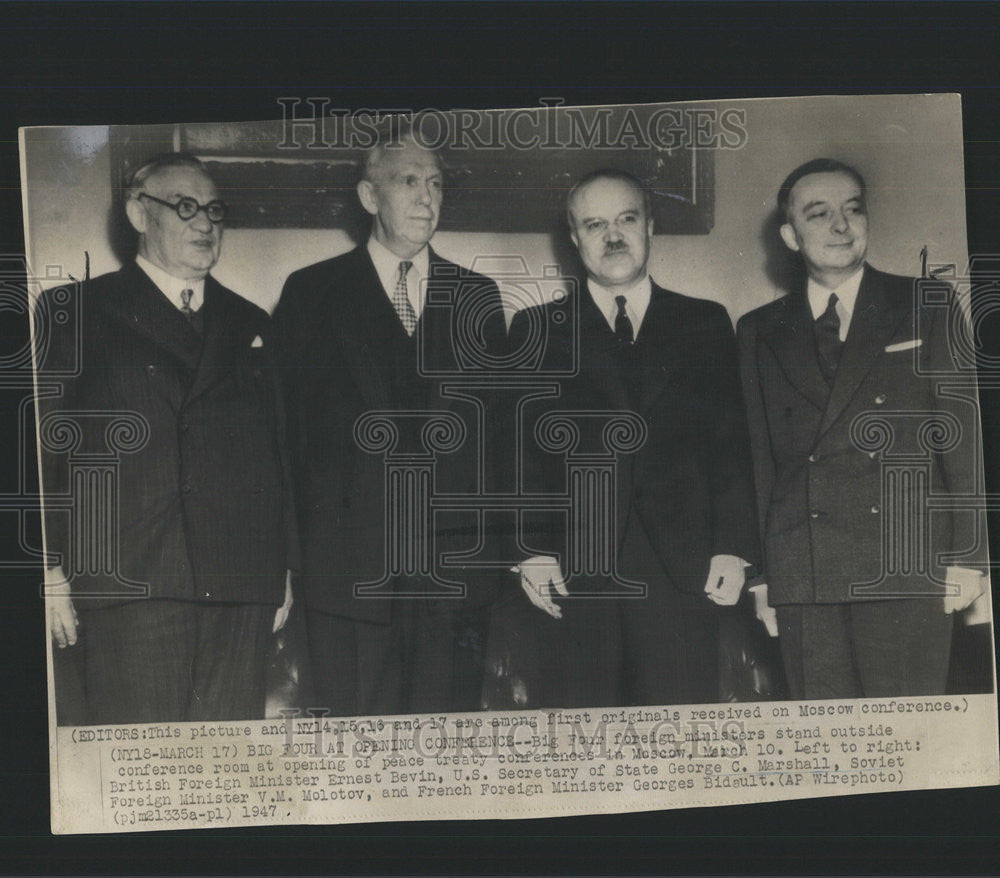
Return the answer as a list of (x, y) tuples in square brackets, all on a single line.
[(908, 148)]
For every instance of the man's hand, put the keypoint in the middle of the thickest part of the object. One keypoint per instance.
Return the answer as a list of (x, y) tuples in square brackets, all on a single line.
[(281, 616), (59, 609), (540, 577), (764, 611), (726, 575), (970, 583)]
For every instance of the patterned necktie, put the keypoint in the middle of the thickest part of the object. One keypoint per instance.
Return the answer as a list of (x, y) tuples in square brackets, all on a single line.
[(623, 326), (401, 301), (186, 304), (828, 341)]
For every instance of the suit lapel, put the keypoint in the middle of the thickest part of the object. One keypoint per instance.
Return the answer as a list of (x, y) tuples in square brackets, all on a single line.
[(874, 320), (138, 303), (658, 336), (599, 361), (367, 322), (227, 333), (792, 339)]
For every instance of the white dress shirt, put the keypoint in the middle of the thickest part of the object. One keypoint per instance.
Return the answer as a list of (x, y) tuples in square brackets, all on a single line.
[(387, 267), (636, 301), (171, 286), (847, 297)]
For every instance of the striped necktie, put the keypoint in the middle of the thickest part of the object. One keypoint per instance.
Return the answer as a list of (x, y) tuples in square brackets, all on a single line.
[(401, 301)]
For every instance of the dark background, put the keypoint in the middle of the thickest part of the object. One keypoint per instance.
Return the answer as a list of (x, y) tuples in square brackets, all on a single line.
[(79, 63)]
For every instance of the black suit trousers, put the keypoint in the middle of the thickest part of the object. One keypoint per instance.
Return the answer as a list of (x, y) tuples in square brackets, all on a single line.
[(873, 649), (175, 661)]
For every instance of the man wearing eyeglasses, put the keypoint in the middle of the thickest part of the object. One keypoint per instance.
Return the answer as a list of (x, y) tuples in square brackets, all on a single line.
[(204, 523)]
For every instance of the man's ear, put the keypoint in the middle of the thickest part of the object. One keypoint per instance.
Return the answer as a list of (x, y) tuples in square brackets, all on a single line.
[(649, 228), (789, 237), (366, 193), (136, 215)]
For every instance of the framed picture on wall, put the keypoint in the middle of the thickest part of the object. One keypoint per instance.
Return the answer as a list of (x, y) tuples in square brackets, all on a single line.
[(300, 172)]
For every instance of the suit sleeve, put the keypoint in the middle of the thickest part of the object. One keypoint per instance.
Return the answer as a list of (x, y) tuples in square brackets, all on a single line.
[(760, 441), (542, 532), (293, 559), (56, 357), (961, 466), (731, 461)]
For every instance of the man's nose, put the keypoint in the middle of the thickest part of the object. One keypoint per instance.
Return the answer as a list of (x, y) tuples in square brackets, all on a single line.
[(840, 221), (612, 233), (201, 222), (424, 193)]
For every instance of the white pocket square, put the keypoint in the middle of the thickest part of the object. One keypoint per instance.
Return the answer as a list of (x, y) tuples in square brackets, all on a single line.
[(904, 345), (258, 342)]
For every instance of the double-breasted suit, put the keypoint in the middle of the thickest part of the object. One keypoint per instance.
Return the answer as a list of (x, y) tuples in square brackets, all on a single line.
[(847, 475), (202, 516), (684, 495), (347, 354)]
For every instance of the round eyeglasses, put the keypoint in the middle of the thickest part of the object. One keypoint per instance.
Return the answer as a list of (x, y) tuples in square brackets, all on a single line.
[(187, 208)]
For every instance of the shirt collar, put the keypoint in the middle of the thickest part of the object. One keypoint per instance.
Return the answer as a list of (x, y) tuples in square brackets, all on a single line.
[(847, 297), (171, 286), (636, 301), (387, 267)]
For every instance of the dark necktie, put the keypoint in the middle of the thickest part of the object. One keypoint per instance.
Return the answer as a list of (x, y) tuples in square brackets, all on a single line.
[(194, 318), (186, 296), (623, 326), (401, 301), (828, 341)]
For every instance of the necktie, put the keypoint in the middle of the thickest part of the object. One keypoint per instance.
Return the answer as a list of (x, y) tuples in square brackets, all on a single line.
[(828, 341), (186, 304), (401, 301), (623, 326)]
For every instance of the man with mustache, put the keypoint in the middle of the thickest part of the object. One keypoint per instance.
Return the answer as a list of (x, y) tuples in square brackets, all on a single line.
[(362, 333), (854, 343), (203, 514), (684, 527)]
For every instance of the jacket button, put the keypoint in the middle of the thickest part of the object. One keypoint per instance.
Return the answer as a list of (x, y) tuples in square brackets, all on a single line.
[(814, 513), (813, 458), (151, 369), (185, 426), (186, 488), (880, 399), (876, 509)]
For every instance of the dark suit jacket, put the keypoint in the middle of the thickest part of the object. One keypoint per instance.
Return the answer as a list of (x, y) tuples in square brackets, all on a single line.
[(337, 327), (204, 509), (687, 492), (820, 491)]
